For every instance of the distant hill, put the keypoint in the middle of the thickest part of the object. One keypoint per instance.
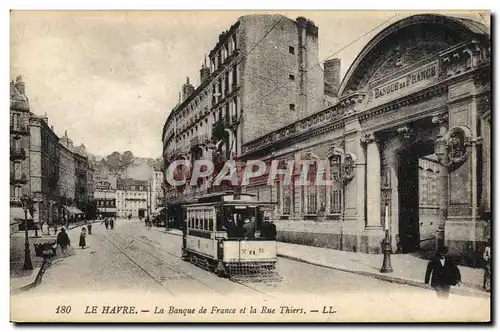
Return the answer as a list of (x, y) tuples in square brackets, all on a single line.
[(125, 165)]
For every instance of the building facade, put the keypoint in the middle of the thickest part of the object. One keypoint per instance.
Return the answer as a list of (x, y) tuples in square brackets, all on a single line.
[(406, 141), (19, 150), (157, 188), (228, 108), (67, 173), (44, 170), (133, 197), (412, 121), (105, 199)]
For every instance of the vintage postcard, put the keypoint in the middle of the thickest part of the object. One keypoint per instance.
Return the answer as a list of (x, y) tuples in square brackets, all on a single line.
[(225, 166)]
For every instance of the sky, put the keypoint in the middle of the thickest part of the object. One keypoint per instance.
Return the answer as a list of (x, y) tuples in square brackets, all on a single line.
[(110, 78)]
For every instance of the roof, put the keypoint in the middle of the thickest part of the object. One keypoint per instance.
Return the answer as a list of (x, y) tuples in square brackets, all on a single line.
[(462, 26)]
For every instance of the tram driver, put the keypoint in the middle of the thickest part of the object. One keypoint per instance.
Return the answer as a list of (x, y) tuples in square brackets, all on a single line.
[(249, 228)]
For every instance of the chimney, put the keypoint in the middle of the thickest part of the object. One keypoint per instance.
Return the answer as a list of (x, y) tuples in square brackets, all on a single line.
[(187, 89), (332, 77), (204, 71), (20, 86)]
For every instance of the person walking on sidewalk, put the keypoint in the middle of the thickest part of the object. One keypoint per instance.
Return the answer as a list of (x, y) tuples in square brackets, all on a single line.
[(63, 241), (105, 223), (89, 228), (111, 223), (83, 234), (442, 274), (487, 266)]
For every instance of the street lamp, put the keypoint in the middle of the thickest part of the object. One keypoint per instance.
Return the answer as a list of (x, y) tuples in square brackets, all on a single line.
[(386, 265), (27, 204)]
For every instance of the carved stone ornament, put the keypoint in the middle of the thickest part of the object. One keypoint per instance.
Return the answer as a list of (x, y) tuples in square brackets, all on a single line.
[(405, 132), (348, 167), (458, 147), (367, 138), (342, 167)]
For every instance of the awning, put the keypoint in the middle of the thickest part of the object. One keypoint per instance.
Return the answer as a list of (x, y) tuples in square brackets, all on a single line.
[(73, 210), (158, 210), (17, 215)]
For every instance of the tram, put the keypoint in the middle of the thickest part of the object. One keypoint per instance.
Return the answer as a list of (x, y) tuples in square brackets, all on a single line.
[(216, 238)]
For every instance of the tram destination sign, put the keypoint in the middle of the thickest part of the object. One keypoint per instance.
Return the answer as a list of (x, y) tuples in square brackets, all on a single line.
[(415, 79)]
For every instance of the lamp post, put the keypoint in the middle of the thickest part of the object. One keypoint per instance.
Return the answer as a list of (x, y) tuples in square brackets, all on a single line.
[(386, 246), (27, 204)]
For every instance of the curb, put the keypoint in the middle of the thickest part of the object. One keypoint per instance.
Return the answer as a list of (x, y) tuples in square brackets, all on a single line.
[(169, 232), (39, 276), (393, 279), (388, 278)]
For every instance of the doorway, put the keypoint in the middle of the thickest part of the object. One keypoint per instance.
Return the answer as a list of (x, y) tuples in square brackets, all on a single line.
[(410, 185)]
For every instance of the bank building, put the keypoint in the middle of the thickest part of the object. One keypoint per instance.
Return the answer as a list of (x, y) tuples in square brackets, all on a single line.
[(406, 132)]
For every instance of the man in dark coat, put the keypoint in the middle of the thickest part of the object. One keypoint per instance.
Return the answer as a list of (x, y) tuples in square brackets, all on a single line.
[(249, 228), (444, 274), (63, 241), (268, 230)]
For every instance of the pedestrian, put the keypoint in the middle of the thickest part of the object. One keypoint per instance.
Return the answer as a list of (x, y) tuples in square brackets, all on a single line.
[(112, 223), (442, 274), (105, 223), (487, 266), (89, 227), (55, 229), (63, 241), (83, 234), (249, 228), (45, 229)]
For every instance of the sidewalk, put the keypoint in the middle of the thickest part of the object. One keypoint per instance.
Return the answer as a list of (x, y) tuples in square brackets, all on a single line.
[(408, 269), (18, 277)]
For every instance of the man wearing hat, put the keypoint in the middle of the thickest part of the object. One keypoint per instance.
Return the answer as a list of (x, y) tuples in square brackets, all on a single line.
[(442, 274), (63, 241)]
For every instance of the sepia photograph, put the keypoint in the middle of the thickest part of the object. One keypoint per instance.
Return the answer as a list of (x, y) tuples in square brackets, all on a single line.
[(202, 166)]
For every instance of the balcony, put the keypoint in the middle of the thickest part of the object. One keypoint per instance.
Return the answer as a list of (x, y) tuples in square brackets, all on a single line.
[(199, 140), (17, 154), (18, 179), (15, 201), (19, 130), (19, 105)]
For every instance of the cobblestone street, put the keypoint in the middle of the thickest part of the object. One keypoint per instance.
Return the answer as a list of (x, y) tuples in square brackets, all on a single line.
[(131, 258)]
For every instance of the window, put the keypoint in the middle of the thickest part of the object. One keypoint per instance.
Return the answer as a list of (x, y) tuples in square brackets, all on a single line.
[(291, 77), (286, 199), (292, 107), (140, 188), (335, 201), (311, 201), (291, 49)]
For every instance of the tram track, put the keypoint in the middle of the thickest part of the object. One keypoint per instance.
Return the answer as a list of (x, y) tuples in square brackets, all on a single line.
[(137, 264), (139, 239), (171, 266)]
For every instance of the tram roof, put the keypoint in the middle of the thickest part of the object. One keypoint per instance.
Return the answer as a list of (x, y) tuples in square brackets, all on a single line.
[(229, 198)]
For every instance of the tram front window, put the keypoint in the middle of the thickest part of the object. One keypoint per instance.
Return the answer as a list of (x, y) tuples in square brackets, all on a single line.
[(240, 221)]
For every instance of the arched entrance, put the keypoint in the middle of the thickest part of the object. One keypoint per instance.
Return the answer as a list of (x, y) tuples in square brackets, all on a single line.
[(410, 184), (412, 201)]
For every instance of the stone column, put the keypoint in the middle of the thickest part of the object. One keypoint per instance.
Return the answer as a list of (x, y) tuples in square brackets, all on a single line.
[(442, 153), (372, 181)]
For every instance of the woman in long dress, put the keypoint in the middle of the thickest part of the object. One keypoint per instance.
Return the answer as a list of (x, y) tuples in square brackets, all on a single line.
[(83, 234)]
